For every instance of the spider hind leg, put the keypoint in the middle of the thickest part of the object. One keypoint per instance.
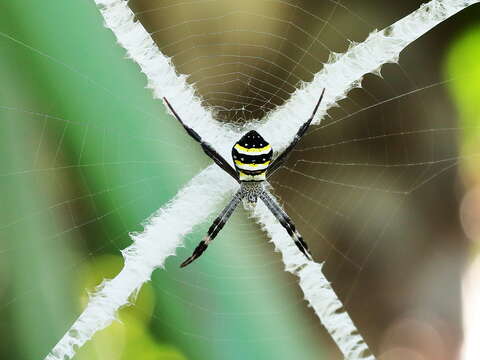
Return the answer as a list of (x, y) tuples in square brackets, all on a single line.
[(201, 247), (287, 223), (215, 228)]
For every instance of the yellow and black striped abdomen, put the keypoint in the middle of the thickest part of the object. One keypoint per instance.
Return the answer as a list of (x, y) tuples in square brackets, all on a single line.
[(252, 155)]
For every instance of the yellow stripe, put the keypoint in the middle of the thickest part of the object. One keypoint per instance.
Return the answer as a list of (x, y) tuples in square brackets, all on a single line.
[(239, 147), (238, 162), (258, 177)]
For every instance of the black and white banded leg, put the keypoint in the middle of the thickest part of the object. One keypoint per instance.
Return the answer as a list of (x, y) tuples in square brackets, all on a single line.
[(280, 159), (215, 228), (207, 148), (286, 222)]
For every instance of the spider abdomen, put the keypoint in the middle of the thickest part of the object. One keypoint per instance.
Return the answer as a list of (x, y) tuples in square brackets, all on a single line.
[(252, 155)]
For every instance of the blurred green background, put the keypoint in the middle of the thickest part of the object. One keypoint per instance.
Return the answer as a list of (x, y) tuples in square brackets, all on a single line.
[(87, 155)]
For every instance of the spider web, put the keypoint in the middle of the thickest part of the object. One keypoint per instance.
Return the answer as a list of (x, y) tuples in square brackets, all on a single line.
[(363, 187)]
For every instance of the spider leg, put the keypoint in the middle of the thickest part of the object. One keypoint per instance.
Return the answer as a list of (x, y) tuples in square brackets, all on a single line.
[(303, 129), (215, 228), (207, 148), (286, 222)]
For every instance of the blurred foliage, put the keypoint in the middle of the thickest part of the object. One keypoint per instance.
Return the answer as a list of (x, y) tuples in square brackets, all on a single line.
[(130, 336), (463, 67)]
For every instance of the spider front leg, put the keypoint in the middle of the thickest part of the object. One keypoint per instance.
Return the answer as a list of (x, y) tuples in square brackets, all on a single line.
[(207, 148), (215, 228), (275, 165), (286, 222)]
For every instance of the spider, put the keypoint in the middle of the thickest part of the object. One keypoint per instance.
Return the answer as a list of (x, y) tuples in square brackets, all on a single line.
[(252, 156)]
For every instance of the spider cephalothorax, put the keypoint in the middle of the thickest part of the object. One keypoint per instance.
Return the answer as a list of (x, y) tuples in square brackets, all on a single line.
[(250, 191), (252, 156)]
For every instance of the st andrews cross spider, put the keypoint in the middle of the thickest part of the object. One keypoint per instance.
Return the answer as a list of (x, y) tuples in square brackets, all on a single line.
[(252, 156)]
